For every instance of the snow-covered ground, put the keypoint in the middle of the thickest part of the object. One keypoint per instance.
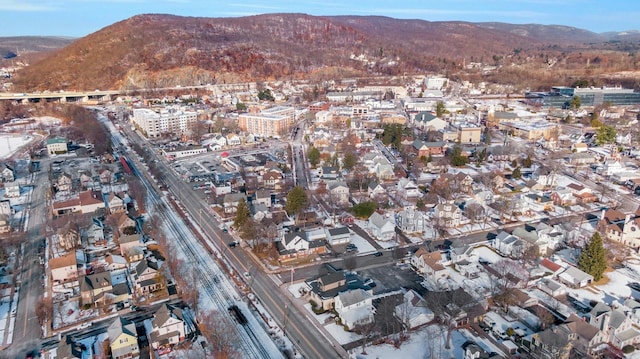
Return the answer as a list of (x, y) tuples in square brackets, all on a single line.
[(364, 247), (10, 144), (487, 254)]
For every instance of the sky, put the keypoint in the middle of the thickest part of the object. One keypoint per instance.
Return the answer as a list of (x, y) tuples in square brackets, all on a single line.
[(77, 18)]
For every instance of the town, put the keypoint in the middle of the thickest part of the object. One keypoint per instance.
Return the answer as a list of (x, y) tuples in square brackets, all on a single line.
[(416, 216)]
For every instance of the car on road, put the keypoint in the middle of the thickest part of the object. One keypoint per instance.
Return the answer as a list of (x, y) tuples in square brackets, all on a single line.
[(378, 254), (233, 244)]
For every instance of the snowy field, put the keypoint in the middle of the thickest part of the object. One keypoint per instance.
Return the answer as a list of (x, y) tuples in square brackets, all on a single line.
[(10, 144)]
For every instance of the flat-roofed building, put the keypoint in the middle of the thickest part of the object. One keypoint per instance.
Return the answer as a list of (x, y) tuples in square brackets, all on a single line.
[(157, 122), (271, 122), (533, 130)]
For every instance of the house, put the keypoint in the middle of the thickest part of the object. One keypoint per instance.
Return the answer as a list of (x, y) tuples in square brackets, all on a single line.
[(233, 140), (263, 196), (64, 269), (123, 222), (105, 176), (11, 190), (579, 147), (63, 183), (338, 193), (273, 178), (575, 278), (354, 307), (91, 201), (575, 335), (413, 311), (168, 327), (551, 287), (612, 166), (429, 264), (329, 173), (115, 262), (409, 220), (618, 329), (95, 233), (231, 200), (325, 288), (509, 245), (375, 190), (620, 227), (407, 189), (447, 215), (7, 174), (56, 146), (426, 149), (380, 227), (538, 203), (115, 203), (94, 286), (69, 238), (582, 159), (293, 245), (148, 278), (428, 121), (563, 198), (126, 242), (338, 235), (550, 238), (5, 208), (123, 339)]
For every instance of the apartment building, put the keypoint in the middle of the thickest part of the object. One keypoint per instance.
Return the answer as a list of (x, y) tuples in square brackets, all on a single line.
[(157, 122), (271, 122)]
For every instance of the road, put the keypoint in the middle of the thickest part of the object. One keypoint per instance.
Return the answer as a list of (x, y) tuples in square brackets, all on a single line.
[(27, 330), (310, 342)]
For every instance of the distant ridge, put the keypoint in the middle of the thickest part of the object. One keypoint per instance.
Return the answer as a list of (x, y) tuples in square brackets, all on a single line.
[(156, 50)]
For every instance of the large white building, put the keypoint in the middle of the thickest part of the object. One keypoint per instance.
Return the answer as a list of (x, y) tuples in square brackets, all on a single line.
[(271, 122), (169, 120)]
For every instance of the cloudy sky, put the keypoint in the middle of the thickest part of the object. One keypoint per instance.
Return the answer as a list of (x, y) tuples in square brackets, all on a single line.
[(78, 18)]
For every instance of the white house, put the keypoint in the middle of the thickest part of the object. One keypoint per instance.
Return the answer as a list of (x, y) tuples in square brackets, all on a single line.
[(413, 311), (233, 140), (338, 235), (64, 269), (339, 192), (408, 189), (447, 215), (429, 264), (168, 326), (409, 220), (380, 227), (575, 278), (355, 307), (509, 245)]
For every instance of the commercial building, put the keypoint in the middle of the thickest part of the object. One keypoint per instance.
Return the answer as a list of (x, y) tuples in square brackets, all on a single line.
[(157, 122), (271, 122), (468, 133), (534, 130), (561, 96)]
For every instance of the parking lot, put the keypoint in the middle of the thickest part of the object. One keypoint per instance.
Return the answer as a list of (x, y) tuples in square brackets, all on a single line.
[(393, 277)]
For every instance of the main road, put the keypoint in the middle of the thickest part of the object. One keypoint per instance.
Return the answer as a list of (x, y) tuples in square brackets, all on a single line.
[(311, 342), (27, 329)]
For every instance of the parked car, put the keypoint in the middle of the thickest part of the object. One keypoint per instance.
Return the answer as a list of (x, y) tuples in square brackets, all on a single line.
[(378, 254)]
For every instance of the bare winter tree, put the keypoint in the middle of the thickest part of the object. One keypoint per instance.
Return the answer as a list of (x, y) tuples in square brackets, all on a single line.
[(220, 335), (367, 332)]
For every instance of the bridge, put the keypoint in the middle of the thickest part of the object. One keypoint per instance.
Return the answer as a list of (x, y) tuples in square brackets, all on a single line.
[(61, 96)]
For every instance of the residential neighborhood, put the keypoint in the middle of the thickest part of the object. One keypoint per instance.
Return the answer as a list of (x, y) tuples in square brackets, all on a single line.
[(487, 226)]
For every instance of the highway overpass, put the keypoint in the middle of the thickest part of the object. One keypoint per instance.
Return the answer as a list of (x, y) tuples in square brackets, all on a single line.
[(61, 96)]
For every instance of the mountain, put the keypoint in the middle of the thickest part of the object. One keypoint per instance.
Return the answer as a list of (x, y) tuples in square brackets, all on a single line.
[(11, 47), (153, 50)]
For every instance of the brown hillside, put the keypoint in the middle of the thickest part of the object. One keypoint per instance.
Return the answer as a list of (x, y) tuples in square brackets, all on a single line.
[(163, 50)]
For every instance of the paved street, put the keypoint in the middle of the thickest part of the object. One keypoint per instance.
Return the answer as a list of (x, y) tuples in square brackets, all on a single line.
[(27, 331)]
